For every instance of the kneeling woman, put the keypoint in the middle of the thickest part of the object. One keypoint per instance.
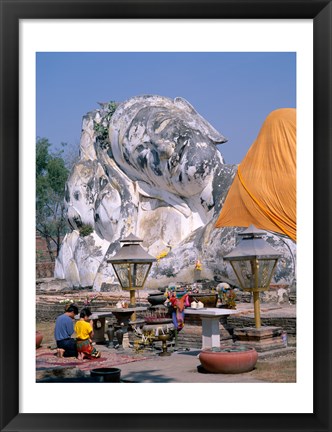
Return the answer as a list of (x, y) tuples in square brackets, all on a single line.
[(84, 334)]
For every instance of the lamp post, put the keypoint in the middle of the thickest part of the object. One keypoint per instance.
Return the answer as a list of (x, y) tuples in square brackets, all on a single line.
[(253, 261), (132, 265)]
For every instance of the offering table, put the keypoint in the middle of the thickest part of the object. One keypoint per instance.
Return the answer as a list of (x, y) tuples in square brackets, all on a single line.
[(210, 323)]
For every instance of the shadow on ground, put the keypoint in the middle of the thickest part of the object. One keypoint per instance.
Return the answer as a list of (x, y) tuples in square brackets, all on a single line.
[(193, 353), (146, 376)]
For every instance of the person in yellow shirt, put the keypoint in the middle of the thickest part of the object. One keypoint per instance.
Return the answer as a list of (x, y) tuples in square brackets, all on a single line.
[(84, 334)]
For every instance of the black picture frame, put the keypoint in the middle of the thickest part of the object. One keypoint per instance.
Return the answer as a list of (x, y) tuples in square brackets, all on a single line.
[(11, 12)]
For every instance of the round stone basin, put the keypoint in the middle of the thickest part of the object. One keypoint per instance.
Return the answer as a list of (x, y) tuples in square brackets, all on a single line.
[(160, 327), (228, 360)]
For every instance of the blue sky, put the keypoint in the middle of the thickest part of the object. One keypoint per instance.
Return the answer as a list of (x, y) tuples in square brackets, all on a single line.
[(233, 91)]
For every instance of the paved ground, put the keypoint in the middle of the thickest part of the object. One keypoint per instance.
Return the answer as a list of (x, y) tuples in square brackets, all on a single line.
[(183, 367), (179, 367)]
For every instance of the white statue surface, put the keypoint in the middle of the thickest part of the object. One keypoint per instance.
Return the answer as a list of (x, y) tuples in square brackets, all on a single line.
[(151, 168)]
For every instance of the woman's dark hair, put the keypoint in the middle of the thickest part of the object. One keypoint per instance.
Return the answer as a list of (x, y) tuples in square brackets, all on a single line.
[(85, 312), (72, 308)]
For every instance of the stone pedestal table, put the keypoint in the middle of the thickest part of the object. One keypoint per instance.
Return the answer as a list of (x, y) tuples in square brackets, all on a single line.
[(99, 325), (99, 331), (210, 323)]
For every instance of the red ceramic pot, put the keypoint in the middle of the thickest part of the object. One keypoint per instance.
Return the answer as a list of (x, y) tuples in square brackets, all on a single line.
[(39, 338), (228, 361)]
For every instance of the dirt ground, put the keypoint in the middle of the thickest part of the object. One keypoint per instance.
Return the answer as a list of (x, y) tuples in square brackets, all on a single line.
[(278, 368)]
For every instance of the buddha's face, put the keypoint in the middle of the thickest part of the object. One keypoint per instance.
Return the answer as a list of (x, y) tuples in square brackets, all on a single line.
[(165, 143)]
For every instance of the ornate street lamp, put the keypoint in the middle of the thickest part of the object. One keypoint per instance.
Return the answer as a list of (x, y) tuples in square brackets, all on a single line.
[(253, 261), (132, 265)]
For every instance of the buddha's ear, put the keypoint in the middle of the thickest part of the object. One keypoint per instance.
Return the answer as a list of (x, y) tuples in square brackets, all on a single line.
[(202, 123), (184, 104)]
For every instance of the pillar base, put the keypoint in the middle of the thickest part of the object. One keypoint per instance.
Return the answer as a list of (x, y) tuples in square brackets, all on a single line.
[(262, 339), (125, 342)]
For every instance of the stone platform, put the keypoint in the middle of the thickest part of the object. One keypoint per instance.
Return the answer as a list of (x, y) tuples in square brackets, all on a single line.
[(262, 339)]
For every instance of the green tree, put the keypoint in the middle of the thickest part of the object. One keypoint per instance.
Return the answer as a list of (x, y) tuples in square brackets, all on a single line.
[(69, 153), (51, 177)]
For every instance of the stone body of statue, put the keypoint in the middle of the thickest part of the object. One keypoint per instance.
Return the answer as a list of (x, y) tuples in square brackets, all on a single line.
[(151, 168)]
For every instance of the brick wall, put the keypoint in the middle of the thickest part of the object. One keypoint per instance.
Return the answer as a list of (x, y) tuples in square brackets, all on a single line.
[(288, 324), (45, 269), (49, 312), (42, 254), (44, 265)]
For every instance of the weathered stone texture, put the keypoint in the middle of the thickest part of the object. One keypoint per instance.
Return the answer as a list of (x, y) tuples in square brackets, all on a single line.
[(158, 174)]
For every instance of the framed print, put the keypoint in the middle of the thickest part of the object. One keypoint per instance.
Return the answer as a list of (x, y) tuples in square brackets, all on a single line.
[(29, 29)]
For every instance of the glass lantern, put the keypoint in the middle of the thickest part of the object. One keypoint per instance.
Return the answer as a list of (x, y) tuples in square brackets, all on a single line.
[(253, 261), (132, 265)]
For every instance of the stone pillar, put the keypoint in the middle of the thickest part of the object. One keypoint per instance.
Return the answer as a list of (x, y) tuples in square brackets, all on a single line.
[(210, 332)]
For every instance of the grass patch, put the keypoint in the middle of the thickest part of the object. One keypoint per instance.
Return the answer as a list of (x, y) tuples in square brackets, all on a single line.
[(281, 369)]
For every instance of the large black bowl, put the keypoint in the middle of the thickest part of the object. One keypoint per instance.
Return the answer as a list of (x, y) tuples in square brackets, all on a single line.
[(106, 374), (156, 299)]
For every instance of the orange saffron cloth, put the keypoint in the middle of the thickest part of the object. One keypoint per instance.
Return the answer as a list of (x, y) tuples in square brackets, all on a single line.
[(263, 192)]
